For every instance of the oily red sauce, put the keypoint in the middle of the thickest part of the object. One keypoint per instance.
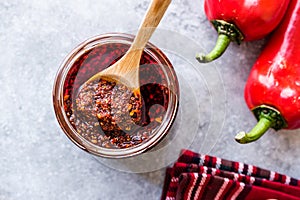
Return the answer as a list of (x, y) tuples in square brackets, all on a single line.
[(153, 89)]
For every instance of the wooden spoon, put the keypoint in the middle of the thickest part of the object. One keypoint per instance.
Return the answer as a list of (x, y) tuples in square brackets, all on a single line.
[(126, 70)]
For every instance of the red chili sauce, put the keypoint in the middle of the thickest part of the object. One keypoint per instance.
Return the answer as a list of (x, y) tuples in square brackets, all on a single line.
[(154, 92)]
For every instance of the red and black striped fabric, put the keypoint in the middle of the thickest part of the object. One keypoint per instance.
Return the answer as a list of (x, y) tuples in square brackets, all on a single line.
[(195, 176)]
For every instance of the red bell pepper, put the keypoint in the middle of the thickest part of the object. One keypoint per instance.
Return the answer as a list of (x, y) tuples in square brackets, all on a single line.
[(241, 20), (272, 90)]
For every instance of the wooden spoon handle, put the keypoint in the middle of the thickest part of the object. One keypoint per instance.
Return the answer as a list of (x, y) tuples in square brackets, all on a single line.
[(151, 20)]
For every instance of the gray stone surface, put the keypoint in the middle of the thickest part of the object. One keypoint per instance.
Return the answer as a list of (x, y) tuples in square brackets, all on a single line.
[(37, 159)]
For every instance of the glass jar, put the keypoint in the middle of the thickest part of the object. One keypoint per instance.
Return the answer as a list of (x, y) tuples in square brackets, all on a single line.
[(159, 88)]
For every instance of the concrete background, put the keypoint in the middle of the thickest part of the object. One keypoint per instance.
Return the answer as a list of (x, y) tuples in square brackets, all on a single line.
[(37, 161)]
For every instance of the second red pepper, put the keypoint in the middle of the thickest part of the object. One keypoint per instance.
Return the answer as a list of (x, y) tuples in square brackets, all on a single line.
[(272, 91), (241, 20)]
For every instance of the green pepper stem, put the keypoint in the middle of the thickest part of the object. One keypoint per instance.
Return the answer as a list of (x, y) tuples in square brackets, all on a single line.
[(261, 128), (227, 32), (221, 45), (268, 117)]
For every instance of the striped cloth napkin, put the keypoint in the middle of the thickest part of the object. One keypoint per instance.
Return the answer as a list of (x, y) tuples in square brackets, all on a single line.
[(195, 176)]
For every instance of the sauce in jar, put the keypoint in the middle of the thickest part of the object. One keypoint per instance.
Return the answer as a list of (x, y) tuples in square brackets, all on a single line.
[(82, 110)]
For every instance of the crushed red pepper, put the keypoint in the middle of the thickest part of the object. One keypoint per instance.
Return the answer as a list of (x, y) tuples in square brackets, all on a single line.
[(84, 110), (116, 107)]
